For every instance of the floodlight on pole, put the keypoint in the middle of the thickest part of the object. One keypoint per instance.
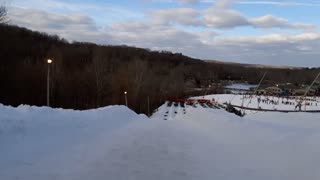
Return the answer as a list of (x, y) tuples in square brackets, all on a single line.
[(125, 98), (49, 61)]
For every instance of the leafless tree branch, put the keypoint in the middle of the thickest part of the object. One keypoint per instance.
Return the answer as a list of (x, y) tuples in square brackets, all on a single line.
[(3, 14)]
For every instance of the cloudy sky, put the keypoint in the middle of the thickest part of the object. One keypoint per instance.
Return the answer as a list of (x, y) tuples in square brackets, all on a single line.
[(271, 32)]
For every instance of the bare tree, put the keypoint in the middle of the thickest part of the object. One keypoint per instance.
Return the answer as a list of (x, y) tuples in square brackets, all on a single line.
[(3, 14), (137, 70), (102, 66)]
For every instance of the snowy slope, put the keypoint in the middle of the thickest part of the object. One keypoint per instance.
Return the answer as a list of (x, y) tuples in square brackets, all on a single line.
[(263, 146), (44, 143), (114, 143)]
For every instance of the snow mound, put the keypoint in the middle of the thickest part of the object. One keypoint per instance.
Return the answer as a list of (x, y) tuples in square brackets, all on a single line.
[(44, 143), (24, 118)]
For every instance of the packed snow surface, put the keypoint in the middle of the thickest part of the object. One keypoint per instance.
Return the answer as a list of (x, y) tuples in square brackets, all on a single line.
[(114, 143), (265, 102)]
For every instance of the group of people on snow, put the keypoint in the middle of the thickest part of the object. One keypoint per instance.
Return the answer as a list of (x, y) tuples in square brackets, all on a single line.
[(297, 102)]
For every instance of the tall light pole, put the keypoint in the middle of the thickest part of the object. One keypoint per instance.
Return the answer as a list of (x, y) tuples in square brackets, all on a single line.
[(49, 62), (125, 98), (208, 89), (148, 106)]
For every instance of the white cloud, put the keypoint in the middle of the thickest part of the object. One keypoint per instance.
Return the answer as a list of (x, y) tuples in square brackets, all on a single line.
[(224, 19), (72, 26), (269, 21), (308, 37), (183, 16), (188, 1), (181, 2), (220, 16), (224, 4), (153, 37), (41, 20), (283, 3), (273, 39)]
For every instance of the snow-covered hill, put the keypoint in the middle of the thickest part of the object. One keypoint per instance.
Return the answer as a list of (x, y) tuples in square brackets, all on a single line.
[(198, 142), (44, 143)]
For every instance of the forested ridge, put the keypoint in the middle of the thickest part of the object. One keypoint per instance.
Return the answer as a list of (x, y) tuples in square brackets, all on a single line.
[(86, 75)]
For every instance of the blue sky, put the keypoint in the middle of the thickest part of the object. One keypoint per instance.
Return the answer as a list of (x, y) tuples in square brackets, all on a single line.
[(271, 32)]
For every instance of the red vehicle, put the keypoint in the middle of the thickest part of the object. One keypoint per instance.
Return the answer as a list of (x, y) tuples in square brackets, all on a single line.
[(204, 101), (176, 100)]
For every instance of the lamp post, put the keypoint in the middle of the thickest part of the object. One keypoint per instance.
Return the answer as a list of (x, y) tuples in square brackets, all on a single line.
[(125, 98), (148, 106), (208, 89), (49, 61)]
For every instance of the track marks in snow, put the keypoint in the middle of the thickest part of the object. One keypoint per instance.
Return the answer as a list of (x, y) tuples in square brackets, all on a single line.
[(170, 110), (173, 111)]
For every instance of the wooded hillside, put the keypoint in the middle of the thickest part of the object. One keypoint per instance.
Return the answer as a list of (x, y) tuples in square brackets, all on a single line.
[(85, 75)]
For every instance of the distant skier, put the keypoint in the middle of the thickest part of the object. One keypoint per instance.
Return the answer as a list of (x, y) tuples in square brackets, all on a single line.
[(299, 105)]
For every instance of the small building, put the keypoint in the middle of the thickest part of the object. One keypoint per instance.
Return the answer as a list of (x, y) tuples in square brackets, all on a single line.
[(261, 92), (274, 90), (302, 91), (287, 88), (240, 88)]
